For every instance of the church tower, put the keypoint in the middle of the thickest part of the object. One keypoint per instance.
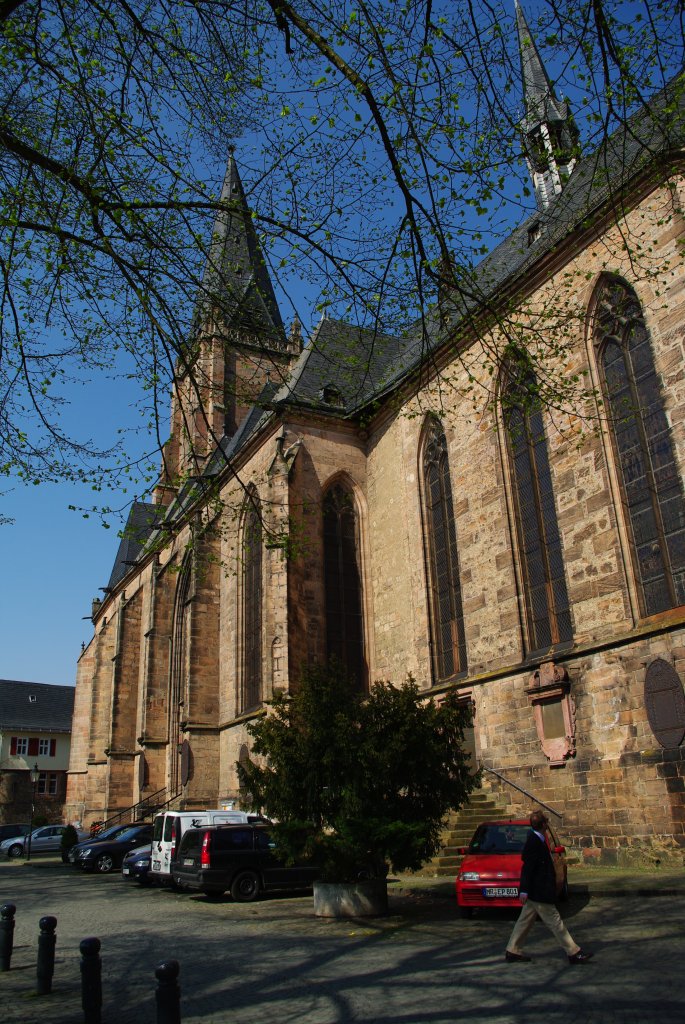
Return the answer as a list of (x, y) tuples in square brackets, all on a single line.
[(550, 136), (238, 350)]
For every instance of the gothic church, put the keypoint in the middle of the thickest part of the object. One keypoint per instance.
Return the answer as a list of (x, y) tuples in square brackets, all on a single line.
[(334, 499)]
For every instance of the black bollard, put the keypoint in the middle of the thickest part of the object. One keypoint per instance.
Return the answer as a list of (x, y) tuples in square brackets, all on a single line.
[(168, 993), (46, 955), (91, 980), (7, 912)]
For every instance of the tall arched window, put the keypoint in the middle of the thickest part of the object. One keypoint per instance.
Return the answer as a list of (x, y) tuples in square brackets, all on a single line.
[(342, 582), (446, 613), (252, 604), (651, 488), (179, 666), (544, 583)]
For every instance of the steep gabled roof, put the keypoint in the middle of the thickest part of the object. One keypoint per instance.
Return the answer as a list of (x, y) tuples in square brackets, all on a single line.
[(141, 521), (341, 368), (236, 280), (35, 706), (541, 103)]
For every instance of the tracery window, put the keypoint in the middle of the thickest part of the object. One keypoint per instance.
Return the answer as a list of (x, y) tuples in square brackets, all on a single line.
[(651, 487), (342, 582), (252, 604), (544, 583), (446, 612), (179, 665)]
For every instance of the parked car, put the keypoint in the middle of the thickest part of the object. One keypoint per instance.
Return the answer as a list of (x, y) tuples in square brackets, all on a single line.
[(169, 826), (109, 833), (104, 855), (136, 865), (490, 873), (11, 831), (239, 858), (45, 839)]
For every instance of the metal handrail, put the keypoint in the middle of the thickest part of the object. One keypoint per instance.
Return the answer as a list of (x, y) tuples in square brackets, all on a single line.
[(521, 790), (150, 803)]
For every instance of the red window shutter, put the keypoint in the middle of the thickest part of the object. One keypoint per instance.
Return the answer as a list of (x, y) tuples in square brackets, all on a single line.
[(33, 746), (13, 745), (53, 747)]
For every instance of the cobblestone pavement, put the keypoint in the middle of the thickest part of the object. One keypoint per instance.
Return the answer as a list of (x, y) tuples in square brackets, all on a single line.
[(272, 961)]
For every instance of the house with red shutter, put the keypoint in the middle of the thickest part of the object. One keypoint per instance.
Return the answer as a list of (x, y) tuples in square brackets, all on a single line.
[(35, 733)]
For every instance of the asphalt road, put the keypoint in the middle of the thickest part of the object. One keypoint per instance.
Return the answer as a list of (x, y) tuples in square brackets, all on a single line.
[(272, 961)]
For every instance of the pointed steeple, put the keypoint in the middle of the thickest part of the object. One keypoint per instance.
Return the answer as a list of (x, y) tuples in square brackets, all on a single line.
[(550, 133), (236, 287)]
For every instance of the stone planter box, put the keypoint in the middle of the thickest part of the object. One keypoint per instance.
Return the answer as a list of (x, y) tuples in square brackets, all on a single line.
[(351, 899)]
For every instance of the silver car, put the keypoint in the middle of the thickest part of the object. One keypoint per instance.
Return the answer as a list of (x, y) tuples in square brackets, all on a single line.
[(46, 839)]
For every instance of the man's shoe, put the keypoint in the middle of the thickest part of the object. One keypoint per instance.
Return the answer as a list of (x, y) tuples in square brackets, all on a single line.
[(513, 958), (580, 957)]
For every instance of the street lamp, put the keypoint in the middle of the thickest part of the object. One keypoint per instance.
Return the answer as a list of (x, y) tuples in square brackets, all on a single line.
[(33, 775)]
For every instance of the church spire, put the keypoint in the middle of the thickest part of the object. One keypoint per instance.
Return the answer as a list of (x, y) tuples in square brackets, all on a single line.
[(550, 133), (236, 285)]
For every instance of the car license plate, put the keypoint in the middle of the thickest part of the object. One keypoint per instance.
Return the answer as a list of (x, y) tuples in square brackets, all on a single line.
[(126, 871), (188, 861), (156, 865), (500, 891)]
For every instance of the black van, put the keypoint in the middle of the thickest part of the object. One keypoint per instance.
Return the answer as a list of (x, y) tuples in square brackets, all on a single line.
[(239, 858)]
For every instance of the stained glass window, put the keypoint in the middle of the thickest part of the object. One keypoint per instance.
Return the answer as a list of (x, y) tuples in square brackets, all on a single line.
[(446, 613)]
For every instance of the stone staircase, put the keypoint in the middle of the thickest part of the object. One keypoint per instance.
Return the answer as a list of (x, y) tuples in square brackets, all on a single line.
[(483, 806)]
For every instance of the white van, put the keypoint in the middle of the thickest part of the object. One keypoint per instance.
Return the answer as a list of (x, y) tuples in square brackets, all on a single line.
[(169, 826)]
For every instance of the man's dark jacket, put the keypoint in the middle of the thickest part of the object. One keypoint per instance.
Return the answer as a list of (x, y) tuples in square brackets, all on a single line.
[(537, 875)]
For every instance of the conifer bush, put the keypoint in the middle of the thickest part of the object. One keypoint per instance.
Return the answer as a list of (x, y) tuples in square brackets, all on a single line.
[(358, 782)]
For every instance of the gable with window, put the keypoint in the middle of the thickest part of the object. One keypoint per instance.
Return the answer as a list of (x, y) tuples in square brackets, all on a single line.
[(651, 488)]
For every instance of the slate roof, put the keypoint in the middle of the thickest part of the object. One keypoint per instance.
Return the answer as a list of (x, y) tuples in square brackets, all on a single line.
[(236, 279), (141, 521), (541, 103), (51, 711), (341, 368)]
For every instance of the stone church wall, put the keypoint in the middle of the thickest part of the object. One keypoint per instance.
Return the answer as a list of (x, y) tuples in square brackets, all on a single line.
[(618, 790)]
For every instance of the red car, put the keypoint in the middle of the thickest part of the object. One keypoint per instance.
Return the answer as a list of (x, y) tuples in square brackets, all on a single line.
[(490, 872)]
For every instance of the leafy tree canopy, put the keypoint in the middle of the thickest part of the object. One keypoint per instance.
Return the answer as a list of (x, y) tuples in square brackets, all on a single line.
[(358, 781), (380, 142)]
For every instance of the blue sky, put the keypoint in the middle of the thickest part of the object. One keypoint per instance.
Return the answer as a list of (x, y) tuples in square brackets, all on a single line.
[(53, 559)]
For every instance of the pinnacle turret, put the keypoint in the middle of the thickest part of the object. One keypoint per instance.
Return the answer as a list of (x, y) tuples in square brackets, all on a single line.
[(550, 136)]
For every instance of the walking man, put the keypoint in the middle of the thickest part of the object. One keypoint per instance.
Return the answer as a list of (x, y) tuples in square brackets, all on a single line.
[(538, 896)]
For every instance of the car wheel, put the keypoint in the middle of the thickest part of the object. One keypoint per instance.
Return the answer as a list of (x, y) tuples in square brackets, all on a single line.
[(245, 887), (15, 851), (465, 912), (563, 895), (104, 863)]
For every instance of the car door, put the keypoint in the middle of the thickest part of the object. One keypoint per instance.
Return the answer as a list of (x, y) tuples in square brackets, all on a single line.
[(47, 838)]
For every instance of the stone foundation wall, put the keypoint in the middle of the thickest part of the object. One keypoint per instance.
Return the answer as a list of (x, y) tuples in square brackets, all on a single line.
[(622, 794)]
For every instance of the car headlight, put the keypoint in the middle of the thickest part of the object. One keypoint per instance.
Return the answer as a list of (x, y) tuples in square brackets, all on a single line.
[(469, 876), (142, 863), (85, 853)]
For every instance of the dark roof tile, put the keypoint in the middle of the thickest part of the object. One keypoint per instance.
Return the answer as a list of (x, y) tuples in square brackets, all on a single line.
[(40, 707)]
